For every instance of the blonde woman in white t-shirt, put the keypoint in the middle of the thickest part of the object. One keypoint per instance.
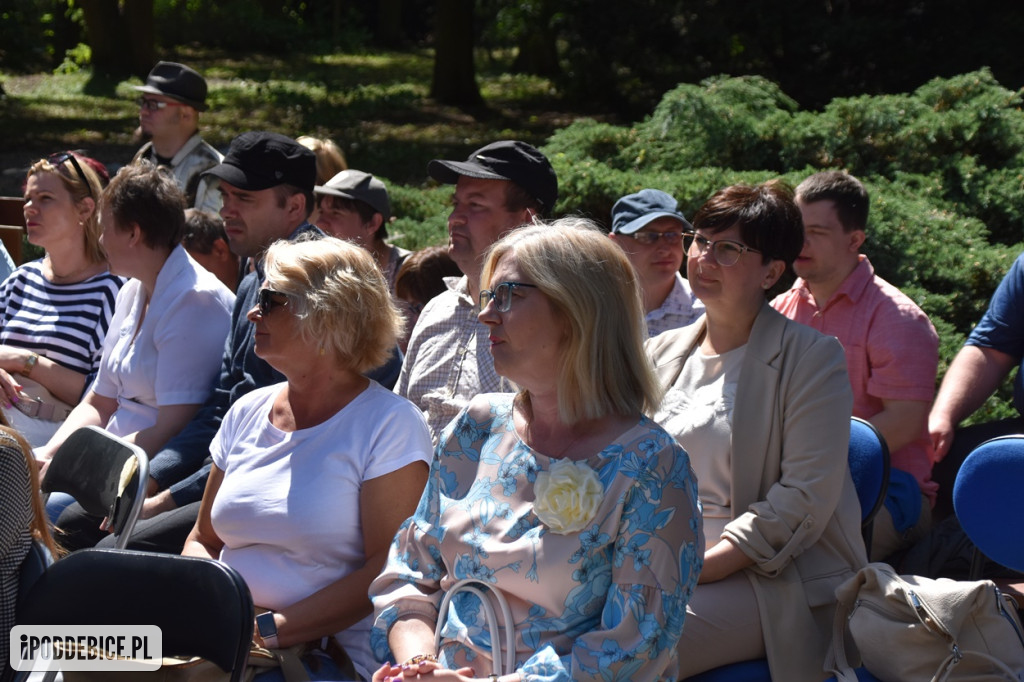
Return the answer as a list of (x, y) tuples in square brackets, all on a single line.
[(312, 477)]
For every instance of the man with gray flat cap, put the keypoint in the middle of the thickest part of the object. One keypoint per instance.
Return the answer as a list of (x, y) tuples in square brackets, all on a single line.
[(649, 228), (354, 205), (169, 107), (499, 187)]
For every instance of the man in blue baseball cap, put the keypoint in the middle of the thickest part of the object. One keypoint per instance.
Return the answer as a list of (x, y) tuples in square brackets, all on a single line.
[(649, 228)]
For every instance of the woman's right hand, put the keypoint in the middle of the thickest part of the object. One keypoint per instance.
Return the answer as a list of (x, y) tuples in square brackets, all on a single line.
[(11, 389), (432, 669)]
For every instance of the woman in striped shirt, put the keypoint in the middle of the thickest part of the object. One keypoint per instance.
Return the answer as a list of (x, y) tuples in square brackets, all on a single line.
[(54, 312)]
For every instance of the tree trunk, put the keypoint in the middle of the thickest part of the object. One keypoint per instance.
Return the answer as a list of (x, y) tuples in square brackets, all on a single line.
[(538, 46), (389, 23), (454, 71), (138, 16), (121, 39), (106, 33)]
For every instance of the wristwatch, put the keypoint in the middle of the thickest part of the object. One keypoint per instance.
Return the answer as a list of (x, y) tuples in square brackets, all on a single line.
[(33, 358), (267, 628)]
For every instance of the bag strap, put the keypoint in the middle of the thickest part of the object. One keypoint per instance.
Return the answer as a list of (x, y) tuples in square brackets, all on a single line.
[(836, 661), (497, 659), (291, 665)]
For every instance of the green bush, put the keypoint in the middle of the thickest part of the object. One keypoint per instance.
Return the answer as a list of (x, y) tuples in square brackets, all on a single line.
[(944, 166)]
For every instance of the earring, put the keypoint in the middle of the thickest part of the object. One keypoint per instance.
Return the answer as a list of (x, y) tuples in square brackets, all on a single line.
[(322, 351)]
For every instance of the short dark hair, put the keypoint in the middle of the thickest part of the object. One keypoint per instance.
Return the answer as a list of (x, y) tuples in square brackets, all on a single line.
[(421, 276), (365, 211), (202, 229), (518, 199), (766, 215), (283, 192), (846, 192), (148, 196)]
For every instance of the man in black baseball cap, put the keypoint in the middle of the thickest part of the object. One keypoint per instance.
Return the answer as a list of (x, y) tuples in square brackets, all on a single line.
[(169, 107), (266, 181), (499, 187)]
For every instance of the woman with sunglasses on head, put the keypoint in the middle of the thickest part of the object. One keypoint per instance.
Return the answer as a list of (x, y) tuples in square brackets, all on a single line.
[(54, 312), (311, 477), (562, 497), (763, 406)]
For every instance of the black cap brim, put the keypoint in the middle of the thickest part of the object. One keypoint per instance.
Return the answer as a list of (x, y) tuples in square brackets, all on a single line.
[(236, 177), (448, 172)]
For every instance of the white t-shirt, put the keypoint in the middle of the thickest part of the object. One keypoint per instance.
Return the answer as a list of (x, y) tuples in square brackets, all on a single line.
[(288, 507), (173, 357)]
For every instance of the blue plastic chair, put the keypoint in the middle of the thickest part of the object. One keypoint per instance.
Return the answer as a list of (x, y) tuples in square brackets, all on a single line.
[(869, 467), (989, 504)]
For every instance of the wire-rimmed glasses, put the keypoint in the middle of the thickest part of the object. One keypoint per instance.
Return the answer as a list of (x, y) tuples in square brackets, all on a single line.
[(726, 252)]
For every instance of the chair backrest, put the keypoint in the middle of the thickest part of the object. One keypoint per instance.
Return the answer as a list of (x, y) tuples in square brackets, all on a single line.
[(869, 466), (91, 467), (32, 567), (989, 502), (203, 607)]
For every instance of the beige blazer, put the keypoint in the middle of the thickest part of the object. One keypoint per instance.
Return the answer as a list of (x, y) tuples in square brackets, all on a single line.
[(795, 510)]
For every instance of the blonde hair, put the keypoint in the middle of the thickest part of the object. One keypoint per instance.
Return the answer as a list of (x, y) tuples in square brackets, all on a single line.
[(604, 369), (329, 159), (340, 297), (39, 526), (92, 188)]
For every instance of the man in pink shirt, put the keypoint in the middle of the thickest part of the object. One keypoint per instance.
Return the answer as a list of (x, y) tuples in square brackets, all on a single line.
[(891, 346)]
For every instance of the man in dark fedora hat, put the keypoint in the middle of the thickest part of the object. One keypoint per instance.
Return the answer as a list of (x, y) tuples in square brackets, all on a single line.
[(169, 107)]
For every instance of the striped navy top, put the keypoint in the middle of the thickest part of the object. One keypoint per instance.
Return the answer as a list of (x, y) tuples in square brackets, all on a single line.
[(63, 322)]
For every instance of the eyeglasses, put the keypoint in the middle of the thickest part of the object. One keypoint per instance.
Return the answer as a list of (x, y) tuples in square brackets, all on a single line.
[(265, 301), (726, 252), (648, 237), (501, 295), (155, 104), (57, 161)]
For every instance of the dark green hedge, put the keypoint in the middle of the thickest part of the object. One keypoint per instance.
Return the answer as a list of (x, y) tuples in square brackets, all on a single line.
[(944, 166)]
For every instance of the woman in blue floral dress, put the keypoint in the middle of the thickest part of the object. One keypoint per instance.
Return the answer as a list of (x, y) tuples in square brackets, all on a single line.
[(564, 498)]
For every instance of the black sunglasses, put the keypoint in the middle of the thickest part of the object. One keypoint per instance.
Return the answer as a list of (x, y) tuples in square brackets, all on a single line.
[(265, 301), (57, 161)]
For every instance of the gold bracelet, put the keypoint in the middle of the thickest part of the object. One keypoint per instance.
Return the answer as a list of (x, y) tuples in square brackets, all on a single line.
[(420, 658), (33, 358)]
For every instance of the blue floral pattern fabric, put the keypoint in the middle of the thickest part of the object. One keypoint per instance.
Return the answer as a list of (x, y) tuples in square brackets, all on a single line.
[(604, 603)]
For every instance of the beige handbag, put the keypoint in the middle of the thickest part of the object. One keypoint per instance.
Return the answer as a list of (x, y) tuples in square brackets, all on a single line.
[(501, 664), (37, 401), (38, 414), (909, 628)]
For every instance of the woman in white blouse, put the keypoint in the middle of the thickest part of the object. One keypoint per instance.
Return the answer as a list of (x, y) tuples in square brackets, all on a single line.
[(163, 350)]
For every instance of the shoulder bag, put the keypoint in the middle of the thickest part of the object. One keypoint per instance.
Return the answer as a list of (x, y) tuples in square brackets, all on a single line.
[(909, 628)]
